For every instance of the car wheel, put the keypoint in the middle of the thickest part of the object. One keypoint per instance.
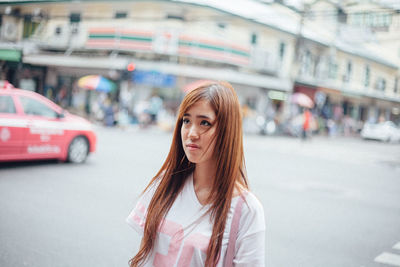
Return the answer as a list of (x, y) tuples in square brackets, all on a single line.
[(78, 150)]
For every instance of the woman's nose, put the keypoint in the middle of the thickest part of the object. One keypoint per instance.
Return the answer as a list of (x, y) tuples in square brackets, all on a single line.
[(193, 132)]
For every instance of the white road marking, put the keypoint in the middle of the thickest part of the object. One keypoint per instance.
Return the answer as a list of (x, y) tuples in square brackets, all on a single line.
[(388, 258), (397, 246)]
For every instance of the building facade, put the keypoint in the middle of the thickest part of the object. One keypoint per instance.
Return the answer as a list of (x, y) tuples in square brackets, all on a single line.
[(346, 64), (267, 51)]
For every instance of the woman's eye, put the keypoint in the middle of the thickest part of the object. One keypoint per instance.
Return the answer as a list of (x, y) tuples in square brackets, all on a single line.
[(185, 121), (205, 123)]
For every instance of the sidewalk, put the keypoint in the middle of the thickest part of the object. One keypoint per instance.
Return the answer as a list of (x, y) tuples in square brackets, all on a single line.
[(345, 149)]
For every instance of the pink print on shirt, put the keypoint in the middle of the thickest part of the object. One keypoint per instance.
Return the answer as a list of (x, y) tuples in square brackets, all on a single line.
[(136, 218), (176, 232), (196, 240)]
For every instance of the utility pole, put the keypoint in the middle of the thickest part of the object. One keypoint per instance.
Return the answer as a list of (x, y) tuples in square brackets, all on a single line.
[(295, 64), (298, 45)]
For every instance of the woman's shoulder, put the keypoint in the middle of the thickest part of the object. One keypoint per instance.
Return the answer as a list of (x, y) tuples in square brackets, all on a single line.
[(154, 183), (149, 191), (244, 192), (252, 216), (252, 203)]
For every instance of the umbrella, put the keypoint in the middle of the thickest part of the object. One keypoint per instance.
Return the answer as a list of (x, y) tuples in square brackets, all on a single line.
[(302, 100), (96, 82)]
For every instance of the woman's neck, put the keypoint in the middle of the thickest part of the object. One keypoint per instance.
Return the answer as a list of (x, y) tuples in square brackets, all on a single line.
[(203, 177)]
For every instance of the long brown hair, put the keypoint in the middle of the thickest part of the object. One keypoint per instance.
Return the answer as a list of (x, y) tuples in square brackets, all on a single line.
[(230, 168)]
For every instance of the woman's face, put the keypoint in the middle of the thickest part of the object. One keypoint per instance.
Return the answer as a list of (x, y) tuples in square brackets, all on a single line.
[(198, 129)]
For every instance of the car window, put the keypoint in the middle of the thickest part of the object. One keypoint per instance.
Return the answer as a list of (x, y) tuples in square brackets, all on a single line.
[(34, 107), (7, 104)]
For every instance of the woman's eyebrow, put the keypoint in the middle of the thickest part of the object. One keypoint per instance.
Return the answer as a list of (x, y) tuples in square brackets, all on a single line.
[(197, 116), (203, 117)]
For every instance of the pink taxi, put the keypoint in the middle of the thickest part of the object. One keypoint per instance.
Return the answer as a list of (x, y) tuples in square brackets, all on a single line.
[(33, 127)]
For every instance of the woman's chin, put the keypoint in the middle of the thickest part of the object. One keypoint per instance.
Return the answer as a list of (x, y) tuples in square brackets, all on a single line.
[(193, 160)]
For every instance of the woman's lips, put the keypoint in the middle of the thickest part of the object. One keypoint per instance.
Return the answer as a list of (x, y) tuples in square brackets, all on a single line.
[(192, 146)]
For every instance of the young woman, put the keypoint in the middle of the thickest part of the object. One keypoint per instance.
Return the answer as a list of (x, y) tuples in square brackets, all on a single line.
[(198, 210)]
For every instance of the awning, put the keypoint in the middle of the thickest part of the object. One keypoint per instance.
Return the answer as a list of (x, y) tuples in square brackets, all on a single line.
[(10, 55), (196, 72)]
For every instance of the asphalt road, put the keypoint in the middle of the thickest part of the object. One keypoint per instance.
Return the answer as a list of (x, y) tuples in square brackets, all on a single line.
[(328, 202)]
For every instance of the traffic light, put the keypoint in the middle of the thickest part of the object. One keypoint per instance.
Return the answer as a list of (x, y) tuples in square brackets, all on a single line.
[(128, 72), (130, 67)]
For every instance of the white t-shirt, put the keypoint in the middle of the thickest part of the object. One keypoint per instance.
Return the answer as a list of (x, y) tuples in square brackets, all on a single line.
[(185, 233)]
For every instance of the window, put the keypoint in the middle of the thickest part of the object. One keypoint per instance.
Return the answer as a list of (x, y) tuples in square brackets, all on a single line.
[(387, 20), (357, 19), (253, 38), (282, 48), (307, 63), (380, 84), (349, 68), (75, 17), (221, 25), (74, 28), (342, 16), (34, 107), (29, 26), (396, 85), (333, 70), (367, 76), (379, 20), (311, 15), (176, 16), (376, 20), (120, 15), (7, 104), (58, 30), (367, 19)]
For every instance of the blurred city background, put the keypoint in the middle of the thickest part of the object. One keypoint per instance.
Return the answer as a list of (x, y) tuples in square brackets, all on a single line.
[(314, 79), (343, 55)]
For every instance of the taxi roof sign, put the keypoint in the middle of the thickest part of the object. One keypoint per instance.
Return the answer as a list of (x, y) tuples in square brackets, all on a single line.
[(4, 84)]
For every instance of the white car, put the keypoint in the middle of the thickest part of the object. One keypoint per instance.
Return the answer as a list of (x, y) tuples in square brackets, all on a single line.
[(385, 131)]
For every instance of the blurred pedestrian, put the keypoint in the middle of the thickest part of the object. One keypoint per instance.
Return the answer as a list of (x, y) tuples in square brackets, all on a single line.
[(108, 110), (156, 104), (141, 111), (61, 97), (191, 211), (306, 123)]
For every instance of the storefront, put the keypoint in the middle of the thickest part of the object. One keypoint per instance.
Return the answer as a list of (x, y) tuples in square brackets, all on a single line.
[(10, 63), (305, 89)]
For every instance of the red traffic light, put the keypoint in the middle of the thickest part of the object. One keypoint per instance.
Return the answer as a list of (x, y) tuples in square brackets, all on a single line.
[(131, 67)]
